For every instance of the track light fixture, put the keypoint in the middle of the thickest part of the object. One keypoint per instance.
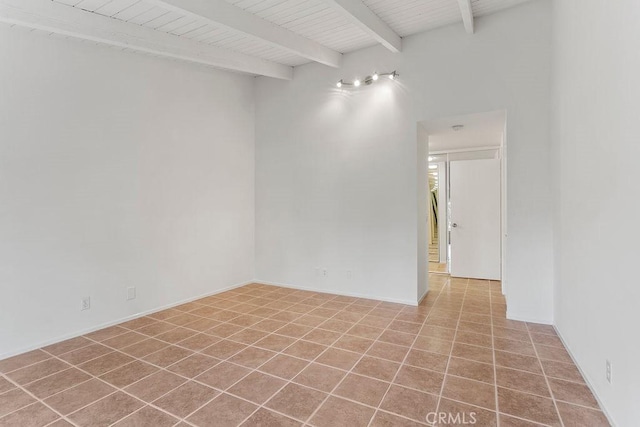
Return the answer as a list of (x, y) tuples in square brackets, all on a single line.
[(367, 80)]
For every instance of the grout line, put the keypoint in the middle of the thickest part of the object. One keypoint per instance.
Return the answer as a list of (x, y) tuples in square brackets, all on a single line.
[(553, 399), (240, 299), (37, 400), (495, 361), (464, 296), (424, 323), (330, 394)]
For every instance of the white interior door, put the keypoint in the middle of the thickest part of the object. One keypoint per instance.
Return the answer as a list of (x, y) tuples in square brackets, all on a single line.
[(475, 218)]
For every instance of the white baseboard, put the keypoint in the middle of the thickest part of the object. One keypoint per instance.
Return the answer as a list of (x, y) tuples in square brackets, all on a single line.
[(332, 291), (512, 316), (423, 296), (586, 378), (115, 322)]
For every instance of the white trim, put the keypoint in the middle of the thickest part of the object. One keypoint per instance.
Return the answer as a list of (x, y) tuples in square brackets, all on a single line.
[(511, 316), (424, 295), (359, 14), (586, 378), (467, 15), (221, 13), (115, 322), (503, 208), (466, 150), (331, 291), (59, 18)]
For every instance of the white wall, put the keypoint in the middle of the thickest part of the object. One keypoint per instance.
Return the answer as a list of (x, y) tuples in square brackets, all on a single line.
[(595, 137), (423, 210), (337, 175), (116, 170)]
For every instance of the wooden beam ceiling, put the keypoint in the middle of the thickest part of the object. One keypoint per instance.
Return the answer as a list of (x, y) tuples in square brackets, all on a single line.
[(467, 15), (221, 13), (359, 14), (61, 19)]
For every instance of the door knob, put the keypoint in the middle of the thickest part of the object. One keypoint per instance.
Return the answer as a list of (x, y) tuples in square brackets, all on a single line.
[(454, 225)]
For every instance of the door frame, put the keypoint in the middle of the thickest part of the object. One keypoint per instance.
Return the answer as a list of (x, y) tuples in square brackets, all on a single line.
[(503, 200)]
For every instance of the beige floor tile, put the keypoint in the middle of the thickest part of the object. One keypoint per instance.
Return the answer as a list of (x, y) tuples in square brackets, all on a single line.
[(376, 368), (578, 416), (266, 418), (144, 348), (185, 399), (85, 354), (128, 374), (420, 379), (67, 346), (79, 396), (320, 377), (283, 366), (464, 414), (385, 419), (252, 357), (471, 370), (55, 383), (362, 389), (39, 370), (409, 403), (223, 375), (577, 393), (5, 385), (147, 416), (107, 411), (340, 412), (296, 401), (193, 365), (424, 359), (35, 415), (522, 381), (338, 358), (305, 350), (14, 400), (154, 386), (518, 361), (22, 360), (257, 387), (528, 406), (470, 391), (564, 371), (106, 363), (353, 343), (302, 355)]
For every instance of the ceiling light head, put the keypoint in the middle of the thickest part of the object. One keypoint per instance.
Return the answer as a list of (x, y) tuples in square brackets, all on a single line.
[(457, 128), (365, 81)]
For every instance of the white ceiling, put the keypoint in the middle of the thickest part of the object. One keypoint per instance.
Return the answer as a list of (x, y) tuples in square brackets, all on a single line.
[(294, 30), (480, 130)]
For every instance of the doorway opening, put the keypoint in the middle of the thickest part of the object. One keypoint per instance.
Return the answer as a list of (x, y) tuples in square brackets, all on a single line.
[(466, 195)]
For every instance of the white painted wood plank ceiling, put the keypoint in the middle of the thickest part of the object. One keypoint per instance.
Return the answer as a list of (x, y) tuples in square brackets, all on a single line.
[(260, 37)]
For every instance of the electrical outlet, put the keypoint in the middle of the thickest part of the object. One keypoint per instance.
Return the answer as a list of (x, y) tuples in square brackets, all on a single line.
[(325, 273), (131, 293), (608, 372), (85, 304)]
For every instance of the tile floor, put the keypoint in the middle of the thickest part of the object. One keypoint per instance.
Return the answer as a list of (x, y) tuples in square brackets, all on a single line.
[(435, 267), (268, 356)]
